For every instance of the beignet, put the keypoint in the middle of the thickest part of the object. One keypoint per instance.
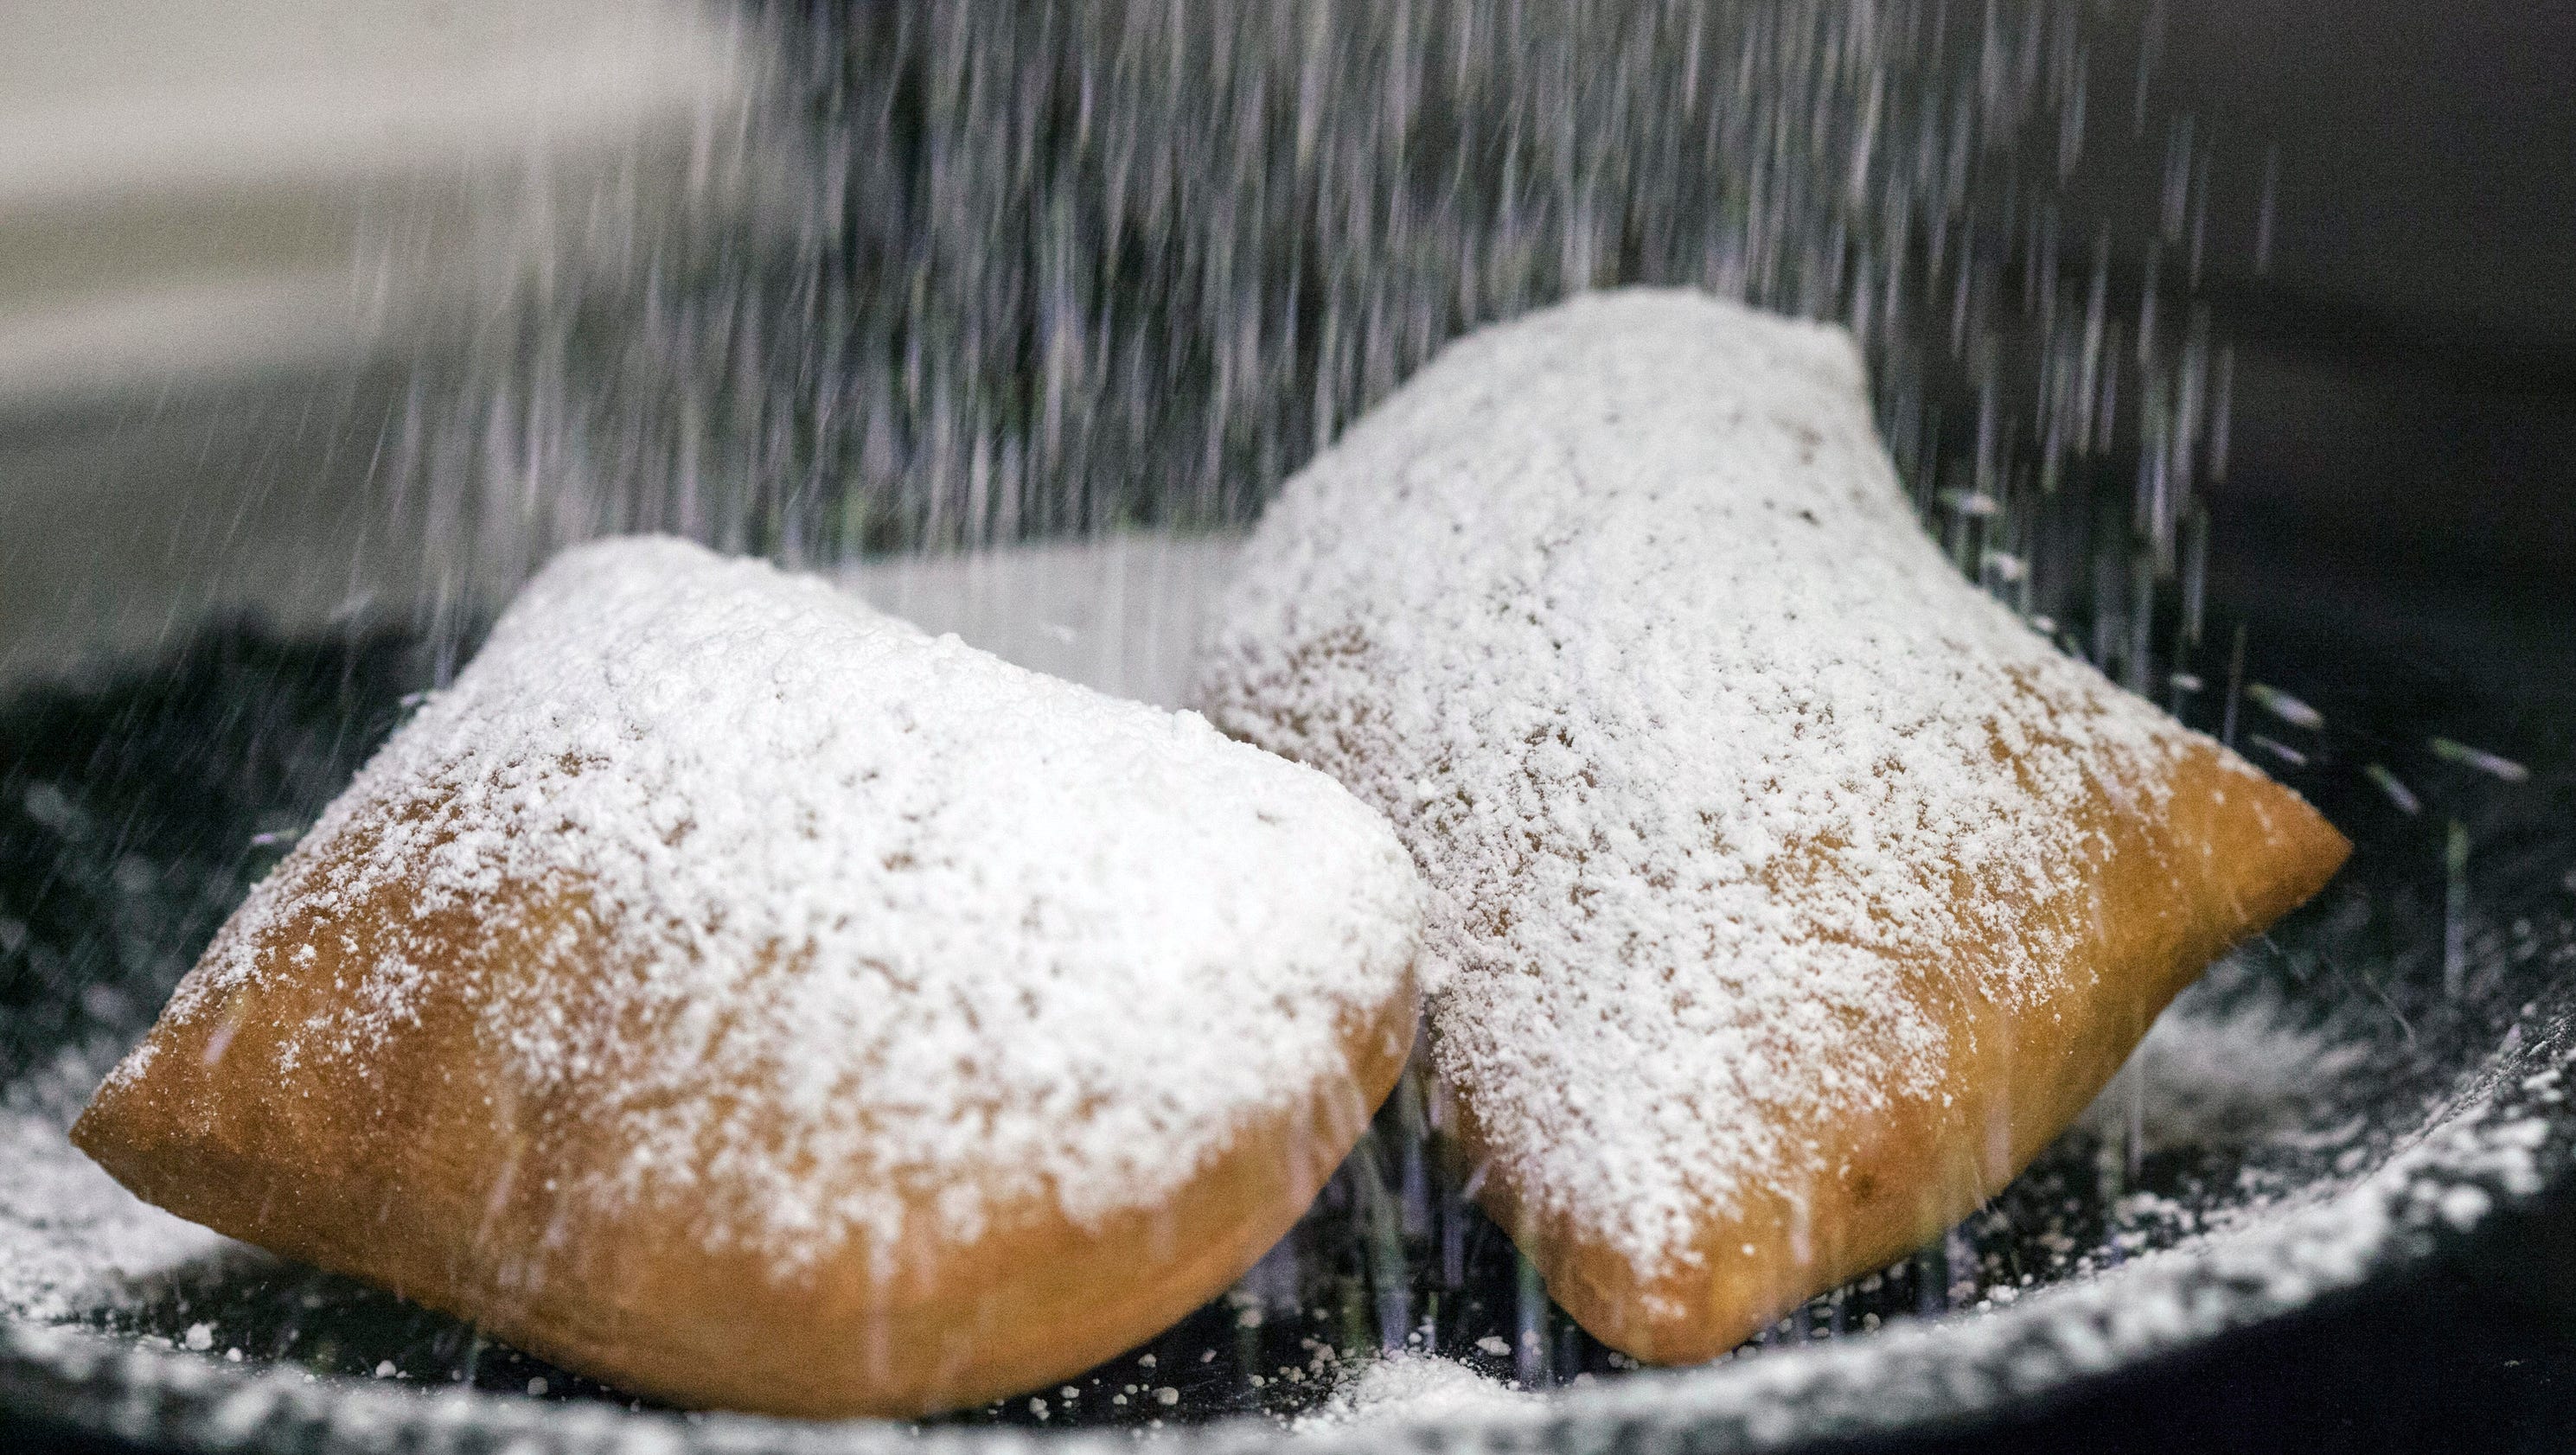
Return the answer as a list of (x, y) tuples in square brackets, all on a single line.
[(734, 994), (1787, 893)]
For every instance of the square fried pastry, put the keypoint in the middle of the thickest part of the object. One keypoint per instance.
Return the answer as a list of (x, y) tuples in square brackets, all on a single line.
[(734, 994), (1788, 893)]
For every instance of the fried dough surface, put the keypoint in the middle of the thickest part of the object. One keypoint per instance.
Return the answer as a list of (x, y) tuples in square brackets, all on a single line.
[(1787, 893), (731, 993)]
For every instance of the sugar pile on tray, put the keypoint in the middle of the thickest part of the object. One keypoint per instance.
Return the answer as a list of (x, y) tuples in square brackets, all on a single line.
[(1415, 1387)]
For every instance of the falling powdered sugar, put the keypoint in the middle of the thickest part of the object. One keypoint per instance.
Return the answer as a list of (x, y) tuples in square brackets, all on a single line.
[(902, 925), (1620, 614)]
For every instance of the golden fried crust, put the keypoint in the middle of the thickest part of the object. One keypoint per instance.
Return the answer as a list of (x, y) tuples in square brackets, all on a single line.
[(410, 1168), (2231, 852)]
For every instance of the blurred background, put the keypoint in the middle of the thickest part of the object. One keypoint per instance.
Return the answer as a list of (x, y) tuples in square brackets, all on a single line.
[(240, 250), (235, 239), (259, 270)]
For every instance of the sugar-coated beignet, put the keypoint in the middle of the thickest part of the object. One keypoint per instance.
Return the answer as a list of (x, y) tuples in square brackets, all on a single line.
[(735, 994), (1787, 893)]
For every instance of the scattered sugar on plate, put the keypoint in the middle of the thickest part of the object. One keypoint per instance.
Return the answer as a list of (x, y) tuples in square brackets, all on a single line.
[(1415, 1387), (2205, 1078)]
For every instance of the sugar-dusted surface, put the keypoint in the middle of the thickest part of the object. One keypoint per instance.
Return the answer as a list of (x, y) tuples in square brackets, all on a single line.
[(923, 919), (71, 1239), (1620, 613)]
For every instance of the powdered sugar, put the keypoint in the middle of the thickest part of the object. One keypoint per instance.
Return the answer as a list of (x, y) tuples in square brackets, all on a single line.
[(931, 921), (2205, 1078), (1620, 613), (2255, 1266), (1420, 1388), (70, 1239)]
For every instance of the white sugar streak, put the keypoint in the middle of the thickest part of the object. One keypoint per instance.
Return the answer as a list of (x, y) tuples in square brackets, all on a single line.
[(1620, 613), (925, 920)]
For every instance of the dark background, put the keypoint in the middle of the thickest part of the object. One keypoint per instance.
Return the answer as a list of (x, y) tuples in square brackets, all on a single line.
[(2405, 406)]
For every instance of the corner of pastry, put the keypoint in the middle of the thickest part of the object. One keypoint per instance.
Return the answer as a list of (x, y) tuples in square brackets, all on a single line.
[(736, 995)]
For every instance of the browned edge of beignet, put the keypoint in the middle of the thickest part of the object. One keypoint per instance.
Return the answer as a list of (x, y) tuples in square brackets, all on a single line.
[(404, 1167), (2233, 852)]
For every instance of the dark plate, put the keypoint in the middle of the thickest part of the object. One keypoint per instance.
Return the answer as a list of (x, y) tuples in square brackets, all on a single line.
[(2335, 1116)]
